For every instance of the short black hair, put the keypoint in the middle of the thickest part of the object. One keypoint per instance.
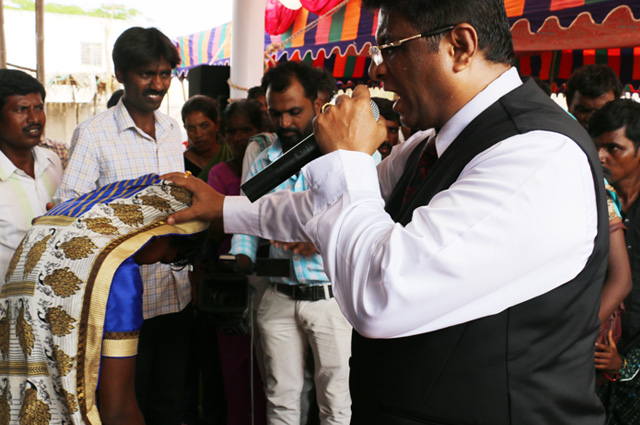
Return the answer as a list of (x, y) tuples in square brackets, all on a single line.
[(386, 109), (593, 81), (201, 103), (326, 83), (279, 78), (247, 107), (255, 92), (138, 47), (14, 82), (615, 115), (488, 17)]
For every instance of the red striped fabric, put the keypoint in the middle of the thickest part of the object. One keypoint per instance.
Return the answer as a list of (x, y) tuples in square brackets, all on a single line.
[(588, 57), (636, 63), (613, 59), (566, 64), (564, 4)]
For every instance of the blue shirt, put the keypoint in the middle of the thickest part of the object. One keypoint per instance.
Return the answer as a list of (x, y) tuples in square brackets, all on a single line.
[(305, 270)]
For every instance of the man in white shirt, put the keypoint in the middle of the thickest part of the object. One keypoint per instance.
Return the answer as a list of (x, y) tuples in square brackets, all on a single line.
[(29, 175), (472, 281), (125, 142)]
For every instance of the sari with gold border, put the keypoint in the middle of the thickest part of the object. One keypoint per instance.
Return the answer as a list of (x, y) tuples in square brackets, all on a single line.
[(54, 301)]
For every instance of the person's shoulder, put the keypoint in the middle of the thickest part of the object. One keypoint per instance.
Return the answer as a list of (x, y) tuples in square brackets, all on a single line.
[(166, 120), (262, 140), (263, 155), (98, 121), (43, 152), (49, 156), (217, 168)]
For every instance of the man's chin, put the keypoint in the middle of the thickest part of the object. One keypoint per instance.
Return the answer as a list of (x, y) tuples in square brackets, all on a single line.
[(290, 141)]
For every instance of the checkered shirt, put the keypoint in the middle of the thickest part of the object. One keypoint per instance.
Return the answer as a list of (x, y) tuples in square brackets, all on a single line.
[(108, 148), (306, 270)]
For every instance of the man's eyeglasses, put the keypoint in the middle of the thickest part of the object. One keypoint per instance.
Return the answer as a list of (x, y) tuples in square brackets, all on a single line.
[(376, 51)]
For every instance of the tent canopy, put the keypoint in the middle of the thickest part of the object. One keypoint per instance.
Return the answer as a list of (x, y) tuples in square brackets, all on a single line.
[(539, 27)]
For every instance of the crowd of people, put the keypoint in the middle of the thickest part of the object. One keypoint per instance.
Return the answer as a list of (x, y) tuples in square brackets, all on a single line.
[(469, 257)]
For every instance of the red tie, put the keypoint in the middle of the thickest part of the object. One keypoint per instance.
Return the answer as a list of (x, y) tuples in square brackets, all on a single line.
[(428, 157)]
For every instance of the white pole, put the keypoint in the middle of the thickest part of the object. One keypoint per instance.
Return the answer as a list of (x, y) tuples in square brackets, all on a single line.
[(247, 45)]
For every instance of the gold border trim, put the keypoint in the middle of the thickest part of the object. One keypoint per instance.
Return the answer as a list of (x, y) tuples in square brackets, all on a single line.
[(55, 220), (24, 368), (16, 289), (119, 347), (89, 348)]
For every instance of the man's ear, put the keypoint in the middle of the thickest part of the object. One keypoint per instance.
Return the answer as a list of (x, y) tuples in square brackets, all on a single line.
[(119, 76), (464, 46), (317, 105)]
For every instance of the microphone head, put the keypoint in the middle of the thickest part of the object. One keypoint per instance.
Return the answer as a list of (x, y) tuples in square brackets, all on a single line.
[(375, 110)]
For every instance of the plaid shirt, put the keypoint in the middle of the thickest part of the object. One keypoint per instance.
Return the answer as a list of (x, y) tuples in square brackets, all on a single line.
[(306, 270), (108, 148)]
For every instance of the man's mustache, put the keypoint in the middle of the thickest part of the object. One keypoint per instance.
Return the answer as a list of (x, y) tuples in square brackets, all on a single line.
[(152, 92), (31, 127), (289, 132)]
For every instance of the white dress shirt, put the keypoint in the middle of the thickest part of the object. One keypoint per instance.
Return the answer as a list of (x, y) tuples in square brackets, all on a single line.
[(24, 198), (520, 221)]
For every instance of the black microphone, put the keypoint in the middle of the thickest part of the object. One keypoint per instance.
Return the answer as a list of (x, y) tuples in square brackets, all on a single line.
[(287, 165)]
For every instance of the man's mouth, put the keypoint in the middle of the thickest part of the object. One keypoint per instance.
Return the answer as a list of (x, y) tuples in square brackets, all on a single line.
[(32, 129), (385, 147), (154, 95)]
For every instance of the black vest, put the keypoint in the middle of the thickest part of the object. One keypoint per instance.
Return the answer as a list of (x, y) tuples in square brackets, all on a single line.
[(531, 364)]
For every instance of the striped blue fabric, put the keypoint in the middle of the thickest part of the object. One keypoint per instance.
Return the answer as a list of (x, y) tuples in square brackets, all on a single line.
[(122, 189)]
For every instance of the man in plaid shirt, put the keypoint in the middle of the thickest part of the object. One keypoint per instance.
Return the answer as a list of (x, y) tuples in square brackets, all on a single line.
[(298, 311), (124, 142)]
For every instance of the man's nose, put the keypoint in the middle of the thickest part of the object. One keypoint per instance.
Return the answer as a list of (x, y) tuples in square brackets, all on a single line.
[(33, 116), (377, 72), (602, 154), (285, 121), (157, 83)]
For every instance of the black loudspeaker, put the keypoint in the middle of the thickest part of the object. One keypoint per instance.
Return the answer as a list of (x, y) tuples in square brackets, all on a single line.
[(210, 81)]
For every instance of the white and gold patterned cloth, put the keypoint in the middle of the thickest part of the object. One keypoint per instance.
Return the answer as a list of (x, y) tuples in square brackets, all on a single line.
[(52, 306)]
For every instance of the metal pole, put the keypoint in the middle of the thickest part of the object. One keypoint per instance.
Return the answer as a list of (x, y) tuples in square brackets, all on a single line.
[(3, 44), (40, 40)]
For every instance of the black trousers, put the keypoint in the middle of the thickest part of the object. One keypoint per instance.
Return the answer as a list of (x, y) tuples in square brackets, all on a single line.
[(161, 366)]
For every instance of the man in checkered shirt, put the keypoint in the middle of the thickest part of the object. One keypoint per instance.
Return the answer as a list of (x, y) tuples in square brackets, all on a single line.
[(124, 142), (298, 311)]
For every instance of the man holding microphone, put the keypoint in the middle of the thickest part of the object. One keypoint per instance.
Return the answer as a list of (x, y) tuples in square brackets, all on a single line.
[(470, 261)]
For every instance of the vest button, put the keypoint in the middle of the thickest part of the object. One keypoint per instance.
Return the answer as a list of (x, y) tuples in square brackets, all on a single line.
[(629, 247), (626, 221)]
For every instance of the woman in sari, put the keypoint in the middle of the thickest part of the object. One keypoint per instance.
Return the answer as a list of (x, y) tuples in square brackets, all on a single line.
[(71, 307)]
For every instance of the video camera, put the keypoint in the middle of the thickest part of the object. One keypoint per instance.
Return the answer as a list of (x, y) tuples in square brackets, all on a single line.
[(226, 296)]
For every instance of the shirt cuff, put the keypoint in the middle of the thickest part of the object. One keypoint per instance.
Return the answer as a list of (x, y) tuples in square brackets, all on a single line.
[(240, 215), (331, 175)]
